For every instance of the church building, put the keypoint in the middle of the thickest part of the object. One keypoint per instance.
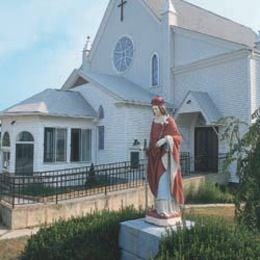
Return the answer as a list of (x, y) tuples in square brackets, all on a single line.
[(205, 66)]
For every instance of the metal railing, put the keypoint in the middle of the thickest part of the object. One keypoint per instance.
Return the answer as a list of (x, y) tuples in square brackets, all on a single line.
[(55, 186)]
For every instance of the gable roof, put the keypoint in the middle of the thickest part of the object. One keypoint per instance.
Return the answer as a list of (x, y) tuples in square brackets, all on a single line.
[(120, 88), (53, 102), (195, 18), (196, 101), (123, 89)]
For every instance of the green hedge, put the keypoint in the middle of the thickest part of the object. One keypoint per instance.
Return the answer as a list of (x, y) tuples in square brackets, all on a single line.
[(94, 236), (210, 239), (209, 192)]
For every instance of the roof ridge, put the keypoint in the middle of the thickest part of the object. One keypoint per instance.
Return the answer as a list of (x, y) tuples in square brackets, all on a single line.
[(216, 14)]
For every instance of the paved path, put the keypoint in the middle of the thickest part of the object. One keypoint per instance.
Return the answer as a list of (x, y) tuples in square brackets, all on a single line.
[(6, 233)]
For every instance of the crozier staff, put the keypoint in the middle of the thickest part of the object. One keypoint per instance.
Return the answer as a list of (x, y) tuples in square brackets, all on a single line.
[(164, 173)]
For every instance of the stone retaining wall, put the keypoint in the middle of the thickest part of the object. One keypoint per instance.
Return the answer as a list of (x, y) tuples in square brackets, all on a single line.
[(25, 216)]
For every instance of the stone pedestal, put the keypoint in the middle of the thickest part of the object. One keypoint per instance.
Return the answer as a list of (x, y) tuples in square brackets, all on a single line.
[(152, 217), (140, 240)]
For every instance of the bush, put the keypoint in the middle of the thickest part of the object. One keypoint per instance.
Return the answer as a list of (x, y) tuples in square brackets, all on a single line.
[(94, 236), (244, 150), (210, 193), (210, 238)]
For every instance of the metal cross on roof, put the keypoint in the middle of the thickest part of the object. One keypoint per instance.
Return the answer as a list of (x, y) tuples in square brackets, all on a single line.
[(121, 5)]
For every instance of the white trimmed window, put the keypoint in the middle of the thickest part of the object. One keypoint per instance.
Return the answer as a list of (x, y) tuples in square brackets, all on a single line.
[(80, 145), (6, 140), (55, 145), (155, 70), (101, 137), (6, 150)]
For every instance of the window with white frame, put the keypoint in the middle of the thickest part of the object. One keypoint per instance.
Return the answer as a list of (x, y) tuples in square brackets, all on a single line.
[(6, 150), (6, 140), (155, 70), (55, 144), (80, 145), (6, 159), (101, 137)]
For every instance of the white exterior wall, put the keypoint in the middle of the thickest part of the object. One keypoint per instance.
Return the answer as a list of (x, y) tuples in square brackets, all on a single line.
[(114, 122), (35, 125), (67, 123), (30, 124), (139, 120), (143, 28), (226, 83), (191, 46), (257, 77)]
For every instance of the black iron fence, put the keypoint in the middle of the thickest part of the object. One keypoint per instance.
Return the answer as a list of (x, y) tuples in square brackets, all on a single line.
[(55, 186)]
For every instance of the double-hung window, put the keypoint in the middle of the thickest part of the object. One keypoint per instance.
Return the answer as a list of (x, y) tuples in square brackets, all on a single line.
[(6, 150), (101, 137), (80, 145), (55, 145)]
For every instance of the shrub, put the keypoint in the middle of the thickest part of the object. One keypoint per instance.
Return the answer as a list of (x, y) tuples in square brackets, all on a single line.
[(210, 238), (245, 151), (94, 236), (209, 193)]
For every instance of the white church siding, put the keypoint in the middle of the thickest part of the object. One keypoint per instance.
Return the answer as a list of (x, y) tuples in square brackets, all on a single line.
[(67, 123), (192, 46), (114, 121), (35, 125), (144, 30), (139, 120), (257, 75), (227, 83), (15, 125)]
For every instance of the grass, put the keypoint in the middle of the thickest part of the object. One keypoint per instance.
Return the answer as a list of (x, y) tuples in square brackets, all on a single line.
[(11, 249)]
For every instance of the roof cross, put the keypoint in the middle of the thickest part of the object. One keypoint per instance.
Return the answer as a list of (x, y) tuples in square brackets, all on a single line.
[(121, 5)]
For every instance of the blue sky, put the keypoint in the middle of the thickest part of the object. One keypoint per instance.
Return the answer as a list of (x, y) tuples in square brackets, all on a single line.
[(41, 40)]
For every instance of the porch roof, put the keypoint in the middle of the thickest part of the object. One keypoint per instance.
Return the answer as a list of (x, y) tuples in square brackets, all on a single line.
[(196, 101), (53, 102)]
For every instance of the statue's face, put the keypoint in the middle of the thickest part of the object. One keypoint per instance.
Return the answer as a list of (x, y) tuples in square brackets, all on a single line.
[(156, 111)]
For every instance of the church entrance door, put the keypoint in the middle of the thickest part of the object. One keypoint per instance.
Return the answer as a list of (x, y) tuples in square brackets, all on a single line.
[(24, 154), (206, 150), (24, 159)]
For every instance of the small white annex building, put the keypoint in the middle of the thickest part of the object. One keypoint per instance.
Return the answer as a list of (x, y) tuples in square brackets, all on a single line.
[(206, 67)]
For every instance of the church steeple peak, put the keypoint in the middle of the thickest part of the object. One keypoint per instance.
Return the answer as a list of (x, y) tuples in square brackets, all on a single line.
[(86, 50), (257, 41), (168, 7)]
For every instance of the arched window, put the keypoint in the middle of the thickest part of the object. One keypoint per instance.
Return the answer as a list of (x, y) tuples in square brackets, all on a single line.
[(155, 70), (24, 137), (6, 139), (101, 112)]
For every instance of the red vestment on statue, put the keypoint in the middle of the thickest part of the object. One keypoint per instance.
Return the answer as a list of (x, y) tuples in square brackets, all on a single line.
[(155, 165)]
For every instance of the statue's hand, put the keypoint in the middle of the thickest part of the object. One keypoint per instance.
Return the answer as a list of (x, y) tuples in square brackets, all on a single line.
[(161, 142)]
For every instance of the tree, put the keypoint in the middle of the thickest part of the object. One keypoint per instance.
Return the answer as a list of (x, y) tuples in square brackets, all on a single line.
[(245, 151)]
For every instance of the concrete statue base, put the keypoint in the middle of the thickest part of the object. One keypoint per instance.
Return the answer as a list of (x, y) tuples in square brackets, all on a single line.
[(140, 240), (163, 221)]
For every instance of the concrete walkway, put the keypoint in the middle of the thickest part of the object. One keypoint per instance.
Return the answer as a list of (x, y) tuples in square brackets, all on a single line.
[(6, 233)]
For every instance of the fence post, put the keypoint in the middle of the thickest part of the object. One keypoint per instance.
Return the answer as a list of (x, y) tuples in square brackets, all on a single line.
[(105, 182), (12, 183), (56, 190)]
